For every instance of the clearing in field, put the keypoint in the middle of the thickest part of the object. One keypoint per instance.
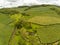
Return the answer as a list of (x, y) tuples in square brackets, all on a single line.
[(45, 20)]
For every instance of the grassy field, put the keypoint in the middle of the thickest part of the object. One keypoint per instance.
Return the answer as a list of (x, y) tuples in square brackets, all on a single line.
[(5, 29), (44, 19)]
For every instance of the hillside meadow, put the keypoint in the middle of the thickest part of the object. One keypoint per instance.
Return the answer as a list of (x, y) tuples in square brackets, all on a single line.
[(30, 25)]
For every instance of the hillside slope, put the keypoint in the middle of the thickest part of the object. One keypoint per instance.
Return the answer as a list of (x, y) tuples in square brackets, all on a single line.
[(44, 19)]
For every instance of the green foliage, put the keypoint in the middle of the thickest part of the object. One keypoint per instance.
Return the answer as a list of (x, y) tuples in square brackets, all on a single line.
[(16, 18), (29, 33), (56, 10), (9, 11)]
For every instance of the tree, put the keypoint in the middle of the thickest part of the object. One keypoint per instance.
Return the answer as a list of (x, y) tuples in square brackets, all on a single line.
[(16, 23), (30, 36)]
